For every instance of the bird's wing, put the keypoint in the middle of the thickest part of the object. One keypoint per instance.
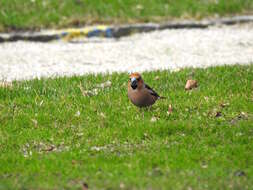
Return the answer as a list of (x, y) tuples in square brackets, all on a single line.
[(151, 91)]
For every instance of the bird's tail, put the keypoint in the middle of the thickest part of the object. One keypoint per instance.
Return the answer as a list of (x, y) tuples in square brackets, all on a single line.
[(162, 97)]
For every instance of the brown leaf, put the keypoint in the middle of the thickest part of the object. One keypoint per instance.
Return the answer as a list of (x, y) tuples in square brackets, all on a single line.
[(75, 22), (102, 115), (241, 116), (5, 84), (170, 109), (139, 7), (50, 148), (85, 186), (153, 119), (157, 78), (74, 162), (218, 114), (121, 185), (190, 84), (105, 84), (35, 122), (77, 113), (84, 93), (88, 92), (223, 105)]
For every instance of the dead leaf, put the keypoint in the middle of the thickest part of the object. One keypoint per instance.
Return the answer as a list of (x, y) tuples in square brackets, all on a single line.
[(170, 109), (35, 122), (139, 7), (5, 84), (77, 113), (190, 84), (223, 105), (75, 22), (102, 115), (88, 92), (97, 148), (153, 119), (241, 116), (49, 148), (79, 134), (218, 114), (83, 91), (74, 162), (121, 185), (155, 172), (244, 114), (240, 173), (40, 104), (157, 78), (105, 84), (85, 186)]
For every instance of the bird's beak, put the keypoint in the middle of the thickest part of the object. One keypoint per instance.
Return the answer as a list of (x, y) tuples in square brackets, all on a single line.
[(134, 83)]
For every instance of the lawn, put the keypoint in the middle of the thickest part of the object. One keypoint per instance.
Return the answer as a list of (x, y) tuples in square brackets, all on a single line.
[(34, 14), (56, 135)]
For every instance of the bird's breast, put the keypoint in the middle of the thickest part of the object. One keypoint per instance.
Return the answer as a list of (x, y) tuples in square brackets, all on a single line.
[(140, 98)]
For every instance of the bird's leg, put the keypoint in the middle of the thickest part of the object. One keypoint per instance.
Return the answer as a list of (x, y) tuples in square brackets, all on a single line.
[(142, 112)]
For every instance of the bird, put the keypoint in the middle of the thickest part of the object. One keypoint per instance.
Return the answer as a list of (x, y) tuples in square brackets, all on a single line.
[(139, 93)]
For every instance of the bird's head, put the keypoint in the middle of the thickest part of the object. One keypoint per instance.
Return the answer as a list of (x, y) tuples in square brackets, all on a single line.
[(135, 81)]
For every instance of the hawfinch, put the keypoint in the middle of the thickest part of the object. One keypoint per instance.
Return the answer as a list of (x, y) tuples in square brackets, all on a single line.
[(140, 93)]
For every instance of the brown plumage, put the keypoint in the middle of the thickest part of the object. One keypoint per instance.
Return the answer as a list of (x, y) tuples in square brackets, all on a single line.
[(140, 93)]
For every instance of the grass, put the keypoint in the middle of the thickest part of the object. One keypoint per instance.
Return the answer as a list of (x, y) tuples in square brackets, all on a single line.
[(54, 137), (32, 14)]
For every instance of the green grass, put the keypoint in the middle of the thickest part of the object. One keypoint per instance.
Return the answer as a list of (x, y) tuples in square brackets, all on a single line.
[(32, 14), (45, 144)]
